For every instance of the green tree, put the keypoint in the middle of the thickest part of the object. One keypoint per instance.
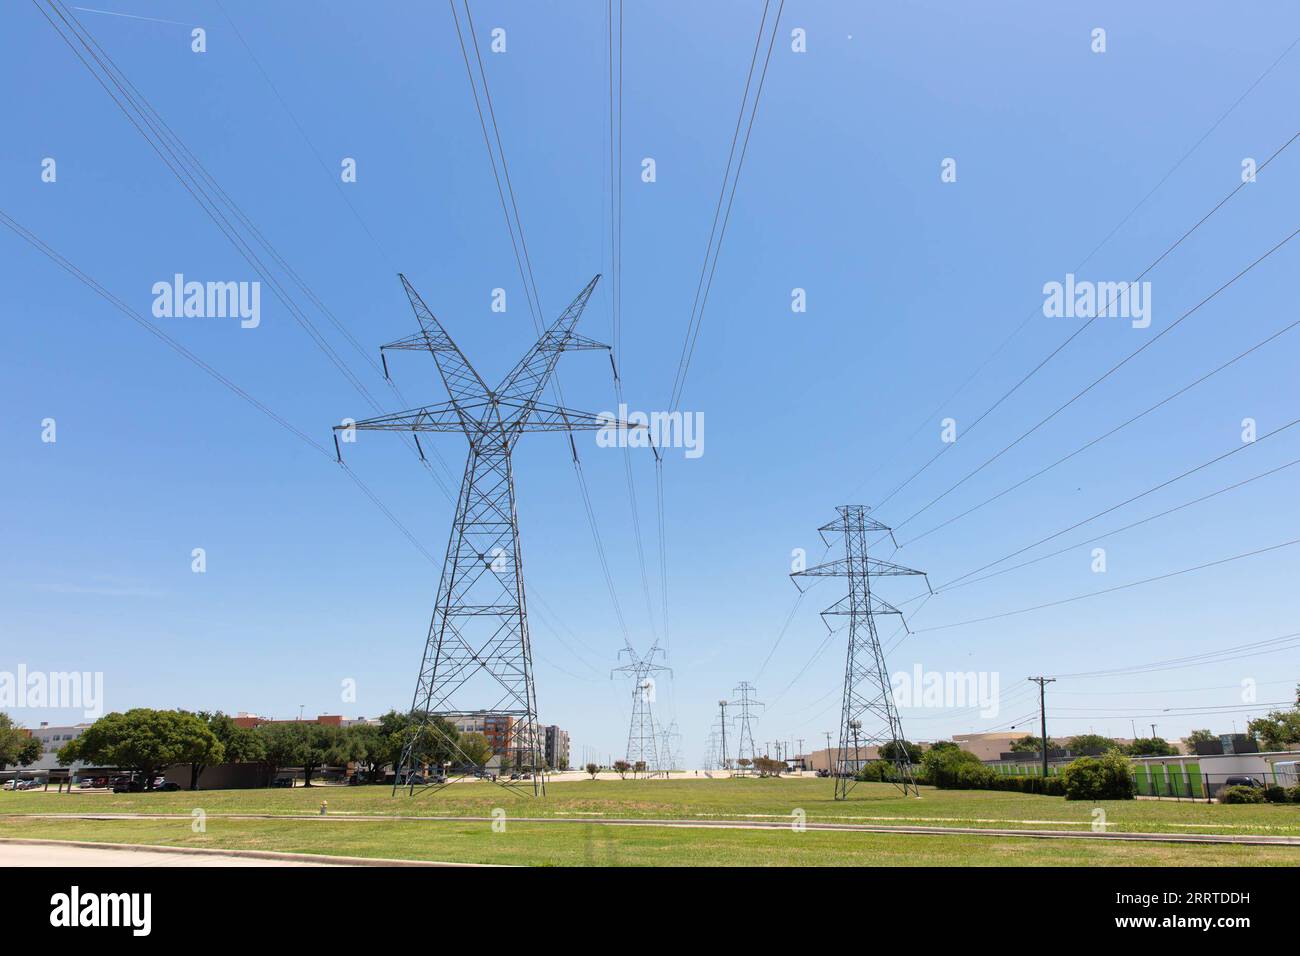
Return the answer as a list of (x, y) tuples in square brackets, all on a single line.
[(1032, 744), (593, 769), (1201, 737), (145, 741), (476, 748), (283, 745), (371, 747), (1085, 742), (17, 746), (946, 766), (1150, 747), (323, 745), (1279, 729), (1108, 777), (238, 744), (901, 750), (621, 767)]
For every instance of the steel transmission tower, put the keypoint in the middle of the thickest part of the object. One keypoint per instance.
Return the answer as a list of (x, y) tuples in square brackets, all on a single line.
[(477, 657), (643, 743), (868, 715), (668, 747), (712, 755), (744, 720)]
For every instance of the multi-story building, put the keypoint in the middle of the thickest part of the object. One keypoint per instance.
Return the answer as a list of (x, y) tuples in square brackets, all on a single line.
[(247, 720), (52, 738), (557, 747), (499, 729)]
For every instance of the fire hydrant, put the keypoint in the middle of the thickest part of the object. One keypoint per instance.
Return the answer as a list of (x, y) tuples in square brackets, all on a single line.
[(324, 807)]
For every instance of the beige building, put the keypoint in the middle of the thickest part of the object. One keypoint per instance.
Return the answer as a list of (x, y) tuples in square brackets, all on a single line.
[(989, 746)]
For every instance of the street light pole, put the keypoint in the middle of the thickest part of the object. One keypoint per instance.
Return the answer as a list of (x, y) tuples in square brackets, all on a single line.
[(723, 723)]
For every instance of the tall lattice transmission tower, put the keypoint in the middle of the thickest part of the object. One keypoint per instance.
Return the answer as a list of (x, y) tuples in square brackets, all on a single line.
[(868, 715), (643, 736), (477, 657), (669, 744), (747, 704), (712, 754)]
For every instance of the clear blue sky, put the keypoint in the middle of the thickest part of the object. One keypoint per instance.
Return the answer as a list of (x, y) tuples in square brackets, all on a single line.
[(911, 284)]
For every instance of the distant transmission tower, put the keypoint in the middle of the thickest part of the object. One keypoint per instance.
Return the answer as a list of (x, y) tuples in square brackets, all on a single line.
[(643, 743), (868, 715), (477, 651), (744, 720), (712, 755), (669, 739)]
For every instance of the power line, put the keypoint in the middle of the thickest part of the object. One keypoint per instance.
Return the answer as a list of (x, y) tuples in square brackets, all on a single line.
[(204, 189), (1114, 368), (1127, 501), (1118, 587), (1115, 531), (1079, 331), (705, 285), (1036, 311), (1223, 655), (1100, 438)]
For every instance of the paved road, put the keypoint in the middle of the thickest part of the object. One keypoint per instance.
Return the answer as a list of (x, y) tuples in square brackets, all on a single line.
[(18, 854)]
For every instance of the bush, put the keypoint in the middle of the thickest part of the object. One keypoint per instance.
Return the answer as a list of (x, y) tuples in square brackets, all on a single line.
[(878, 771), (1047, 786), (1108, 777), (1241, 795), (1293, 793), (943, 768), (1275, 794)]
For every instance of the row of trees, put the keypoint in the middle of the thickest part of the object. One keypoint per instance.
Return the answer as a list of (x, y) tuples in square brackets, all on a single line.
[(1096, 743), (147, 741), (1108, 777)]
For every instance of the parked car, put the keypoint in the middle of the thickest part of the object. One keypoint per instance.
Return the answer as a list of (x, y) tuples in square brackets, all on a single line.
[(128, 785), (167, 786), (1242, 781), (282, 782)]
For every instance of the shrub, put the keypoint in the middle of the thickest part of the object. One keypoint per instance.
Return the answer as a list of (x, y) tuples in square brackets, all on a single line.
[(879, 771), (970, 776), (1047, 786), (1108, 777), (1241, 795), (1275, 794), (942, 767), (1293, 793)]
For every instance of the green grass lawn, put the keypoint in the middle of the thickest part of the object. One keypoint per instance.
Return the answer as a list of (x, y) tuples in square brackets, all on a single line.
[(703, 800), (557, 844)]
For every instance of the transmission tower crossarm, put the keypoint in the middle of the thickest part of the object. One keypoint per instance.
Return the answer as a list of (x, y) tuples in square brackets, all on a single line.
[(458, 375), (532, 373), (840, 567), (848, 605), (544, 417), (443, 417)]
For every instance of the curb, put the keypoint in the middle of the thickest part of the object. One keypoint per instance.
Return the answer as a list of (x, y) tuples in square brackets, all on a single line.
[(250, 854)]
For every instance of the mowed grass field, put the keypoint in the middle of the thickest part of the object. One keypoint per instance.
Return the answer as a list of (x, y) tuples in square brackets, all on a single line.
[(348, 829)]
